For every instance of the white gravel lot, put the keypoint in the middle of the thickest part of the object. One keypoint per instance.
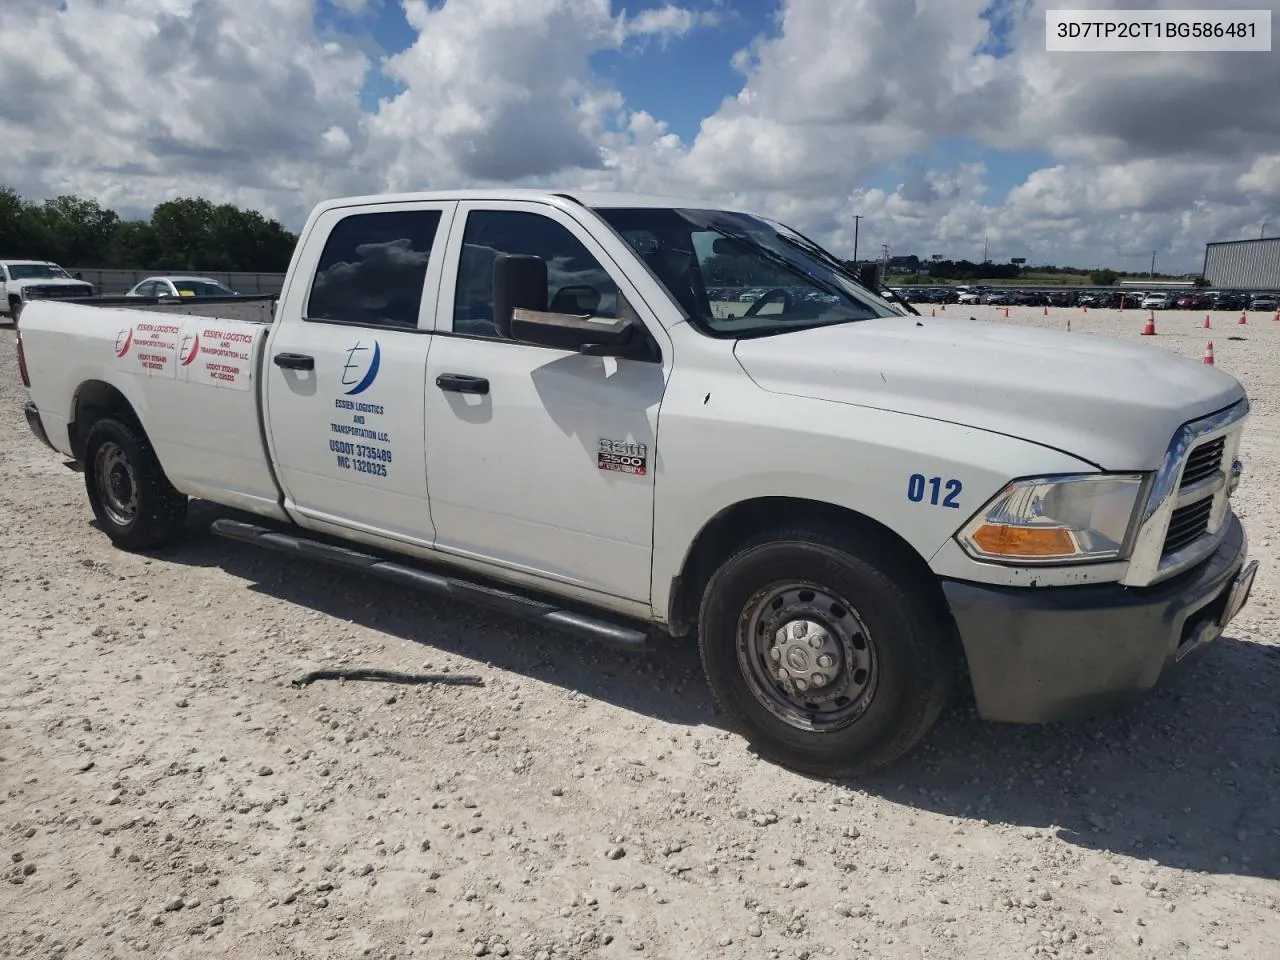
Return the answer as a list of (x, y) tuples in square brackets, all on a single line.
[(165, 792)]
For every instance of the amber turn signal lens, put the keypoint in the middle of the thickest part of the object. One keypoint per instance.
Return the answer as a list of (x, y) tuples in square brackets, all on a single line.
[(1007, 541)]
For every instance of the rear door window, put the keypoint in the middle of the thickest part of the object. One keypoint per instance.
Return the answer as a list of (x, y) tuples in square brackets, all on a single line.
[(373, 268)]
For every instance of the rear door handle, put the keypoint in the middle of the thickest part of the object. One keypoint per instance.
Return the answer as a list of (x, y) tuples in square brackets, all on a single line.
[(294, 361), (462, 383)]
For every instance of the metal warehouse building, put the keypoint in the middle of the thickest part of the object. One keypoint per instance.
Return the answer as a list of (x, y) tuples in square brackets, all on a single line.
[(1243, 264)]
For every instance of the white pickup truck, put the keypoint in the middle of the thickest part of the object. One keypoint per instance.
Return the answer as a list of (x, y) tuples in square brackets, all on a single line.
[(528, 399), (23, 280)]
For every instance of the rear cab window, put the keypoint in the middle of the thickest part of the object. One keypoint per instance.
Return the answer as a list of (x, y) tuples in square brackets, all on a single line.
[(373, 269)]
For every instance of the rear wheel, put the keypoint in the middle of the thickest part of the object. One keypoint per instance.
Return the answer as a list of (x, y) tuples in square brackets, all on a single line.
[(131, 497), (832, 658)]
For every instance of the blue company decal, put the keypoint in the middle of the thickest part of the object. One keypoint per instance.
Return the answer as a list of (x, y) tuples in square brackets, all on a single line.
[(917, 486), (361, 453), (361, 368)]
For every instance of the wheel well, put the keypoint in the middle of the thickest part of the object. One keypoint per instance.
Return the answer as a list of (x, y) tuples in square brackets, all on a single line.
[(95, 400), (734, 526)]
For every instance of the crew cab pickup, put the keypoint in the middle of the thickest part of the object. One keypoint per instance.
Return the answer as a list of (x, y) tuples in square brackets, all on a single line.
[(528, 399)]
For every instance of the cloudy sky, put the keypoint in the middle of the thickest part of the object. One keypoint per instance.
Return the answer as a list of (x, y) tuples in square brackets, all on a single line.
[(941, 122)]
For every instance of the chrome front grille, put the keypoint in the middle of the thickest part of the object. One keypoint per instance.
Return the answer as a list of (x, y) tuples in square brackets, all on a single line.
[(1204, 461), (1203, 477), (1187, 525), (1187, 510)]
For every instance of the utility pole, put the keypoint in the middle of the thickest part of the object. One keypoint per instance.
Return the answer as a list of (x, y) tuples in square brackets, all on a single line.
[(857, 217), (1262, 234), (984, 249), (1153, 264)]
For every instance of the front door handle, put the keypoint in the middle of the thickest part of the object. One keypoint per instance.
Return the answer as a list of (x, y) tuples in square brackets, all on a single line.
[(294, 361), (462, 383)]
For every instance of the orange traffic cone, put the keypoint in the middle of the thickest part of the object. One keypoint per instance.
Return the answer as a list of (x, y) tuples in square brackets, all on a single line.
[(1208, 353), (943, 308), (1046, 311), (1150, 329), (1277, 315), (1206, 322), (1243, 319), (1006, 313), (933, 312)]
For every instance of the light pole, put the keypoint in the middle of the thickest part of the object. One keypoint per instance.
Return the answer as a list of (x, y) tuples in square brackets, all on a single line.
[(857, 217), (1153, 264)]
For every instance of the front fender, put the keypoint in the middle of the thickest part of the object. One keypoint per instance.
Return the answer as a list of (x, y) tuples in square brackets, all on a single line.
[(855, 458)]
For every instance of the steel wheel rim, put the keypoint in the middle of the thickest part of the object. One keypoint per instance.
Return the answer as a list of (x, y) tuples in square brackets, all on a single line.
[(117, 484), (807, 632)]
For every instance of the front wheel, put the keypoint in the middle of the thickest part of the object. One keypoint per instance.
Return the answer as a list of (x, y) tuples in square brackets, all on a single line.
[(830, 657), (131, 497)]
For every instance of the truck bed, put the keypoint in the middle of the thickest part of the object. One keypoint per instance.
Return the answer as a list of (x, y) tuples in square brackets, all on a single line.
[(191, 376)]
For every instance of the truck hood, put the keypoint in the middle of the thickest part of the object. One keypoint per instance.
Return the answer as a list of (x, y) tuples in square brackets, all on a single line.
[(1111, 403)]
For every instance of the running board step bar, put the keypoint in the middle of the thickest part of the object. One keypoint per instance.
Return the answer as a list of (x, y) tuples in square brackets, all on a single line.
[(568, 621)]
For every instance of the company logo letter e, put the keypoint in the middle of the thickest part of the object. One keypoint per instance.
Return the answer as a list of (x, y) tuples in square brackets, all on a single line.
[(361, 368)]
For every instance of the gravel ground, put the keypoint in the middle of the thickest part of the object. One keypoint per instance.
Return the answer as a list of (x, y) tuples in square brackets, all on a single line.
[(165, 791)]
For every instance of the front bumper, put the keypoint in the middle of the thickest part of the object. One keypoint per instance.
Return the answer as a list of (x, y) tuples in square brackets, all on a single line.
[(1062, 653), (37, 427)]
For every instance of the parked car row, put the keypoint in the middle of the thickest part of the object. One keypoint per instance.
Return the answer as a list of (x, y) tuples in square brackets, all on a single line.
[(1105, 299), (752, 294), (23, 280)]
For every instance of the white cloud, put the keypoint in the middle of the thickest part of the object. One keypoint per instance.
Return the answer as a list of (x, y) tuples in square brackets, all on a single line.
[(669, 21), (142, 100), (1262, 180)]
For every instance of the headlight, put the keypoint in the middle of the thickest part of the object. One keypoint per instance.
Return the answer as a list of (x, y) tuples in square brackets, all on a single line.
[(1055, 520)]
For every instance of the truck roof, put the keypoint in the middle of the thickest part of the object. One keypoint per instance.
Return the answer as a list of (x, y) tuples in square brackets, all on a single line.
[(587, 198)]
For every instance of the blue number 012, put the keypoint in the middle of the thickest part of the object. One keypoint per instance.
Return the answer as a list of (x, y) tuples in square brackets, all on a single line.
[(917, 485)]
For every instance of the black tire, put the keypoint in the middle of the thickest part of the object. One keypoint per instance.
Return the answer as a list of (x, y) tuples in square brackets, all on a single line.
[(905, 662), (131, 496)]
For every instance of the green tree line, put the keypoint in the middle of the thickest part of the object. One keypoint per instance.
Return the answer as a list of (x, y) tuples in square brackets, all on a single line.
[(185, 234)]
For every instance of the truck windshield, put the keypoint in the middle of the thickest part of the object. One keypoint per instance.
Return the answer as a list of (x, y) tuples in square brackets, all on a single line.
[(737, 275), (37, 271)]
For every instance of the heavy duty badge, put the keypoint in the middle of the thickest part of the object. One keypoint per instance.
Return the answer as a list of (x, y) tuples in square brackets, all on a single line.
[(623, 457)]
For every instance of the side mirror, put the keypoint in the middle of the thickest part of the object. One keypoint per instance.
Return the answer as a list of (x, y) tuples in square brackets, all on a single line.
[(869, 276), (567, 331), (625, 337), (519, 283)]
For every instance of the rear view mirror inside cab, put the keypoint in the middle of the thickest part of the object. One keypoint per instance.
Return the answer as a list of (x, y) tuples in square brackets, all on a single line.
[(728, 247)]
